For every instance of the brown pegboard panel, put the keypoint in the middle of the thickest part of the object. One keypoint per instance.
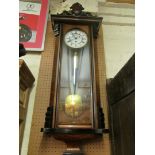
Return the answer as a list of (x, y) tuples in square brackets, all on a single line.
[(40, 144), (101, 75)]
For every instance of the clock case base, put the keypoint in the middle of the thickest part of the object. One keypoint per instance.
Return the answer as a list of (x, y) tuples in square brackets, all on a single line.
[(72, 134), (73, 137)]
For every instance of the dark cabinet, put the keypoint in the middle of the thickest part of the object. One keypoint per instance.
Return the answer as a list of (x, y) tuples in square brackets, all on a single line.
[(121, 99)]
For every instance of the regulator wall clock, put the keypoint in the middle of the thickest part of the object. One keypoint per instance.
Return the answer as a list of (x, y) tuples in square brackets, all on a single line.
[(75, 114)]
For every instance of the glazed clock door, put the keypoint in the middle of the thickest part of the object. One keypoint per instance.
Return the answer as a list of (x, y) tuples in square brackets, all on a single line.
[(74, 93)]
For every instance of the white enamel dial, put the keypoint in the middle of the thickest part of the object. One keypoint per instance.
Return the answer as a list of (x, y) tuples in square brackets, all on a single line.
[(76, 38)]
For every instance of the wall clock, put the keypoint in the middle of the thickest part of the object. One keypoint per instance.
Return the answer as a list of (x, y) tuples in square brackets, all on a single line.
[(75, 114)]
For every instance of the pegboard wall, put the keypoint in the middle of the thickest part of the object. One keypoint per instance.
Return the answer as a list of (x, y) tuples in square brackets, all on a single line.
[(40, 144)]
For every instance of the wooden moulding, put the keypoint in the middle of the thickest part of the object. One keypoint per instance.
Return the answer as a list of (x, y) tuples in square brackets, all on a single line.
[(26, 80), (76, 15), (25, 74), (122, 1)]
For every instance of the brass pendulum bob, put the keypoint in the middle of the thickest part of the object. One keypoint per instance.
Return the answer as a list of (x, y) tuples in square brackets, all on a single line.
[(73, 102)]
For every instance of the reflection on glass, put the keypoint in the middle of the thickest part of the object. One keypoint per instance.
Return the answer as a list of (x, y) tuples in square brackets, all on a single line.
[(75, 92), (73, 103)]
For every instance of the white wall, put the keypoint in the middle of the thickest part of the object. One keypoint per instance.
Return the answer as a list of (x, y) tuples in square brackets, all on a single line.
[(119, 47), (119, 35)]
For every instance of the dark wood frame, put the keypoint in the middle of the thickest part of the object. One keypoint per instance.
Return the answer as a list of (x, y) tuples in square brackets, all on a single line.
[(75, 17), (93, 90)]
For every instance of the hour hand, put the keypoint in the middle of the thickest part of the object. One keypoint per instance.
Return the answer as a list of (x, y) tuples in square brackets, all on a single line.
[(68, 39)]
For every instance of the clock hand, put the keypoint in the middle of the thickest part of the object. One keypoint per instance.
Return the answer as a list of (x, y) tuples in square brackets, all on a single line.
[(69, 40)]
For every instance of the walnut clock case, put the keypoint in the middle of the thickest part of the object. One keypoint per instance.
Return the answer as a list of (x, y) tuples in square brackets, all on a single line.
[(75, 114)]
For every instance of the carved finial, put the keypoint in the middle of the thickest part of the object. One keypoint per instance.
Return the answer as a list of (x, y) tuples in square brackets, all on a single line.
[(73, 16), (76, 8)]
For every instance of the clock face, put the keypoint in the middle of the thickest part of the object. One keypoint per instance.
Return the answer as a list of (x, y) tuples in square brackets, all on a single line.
[(76, 38)]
